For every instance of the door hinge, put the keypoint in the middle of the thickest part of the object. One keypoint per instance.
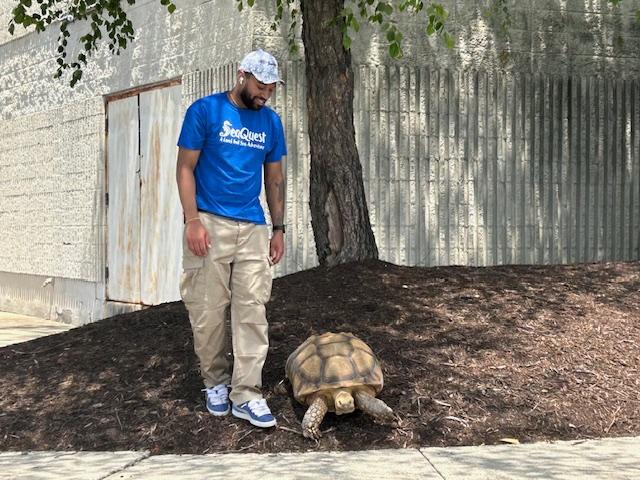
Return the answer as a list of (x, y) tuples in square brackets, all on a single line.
[(106, 273), (106, 199)]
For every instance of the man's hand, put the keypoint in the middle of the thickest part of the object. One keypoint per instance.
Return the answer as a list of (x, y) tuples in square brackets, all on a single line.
[(197, 238), (195, 233), (276, 247)]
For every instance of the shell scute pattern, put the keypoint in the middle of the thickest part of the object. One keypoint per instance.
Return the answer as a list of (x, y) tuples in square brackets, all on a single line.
[(332, 360)]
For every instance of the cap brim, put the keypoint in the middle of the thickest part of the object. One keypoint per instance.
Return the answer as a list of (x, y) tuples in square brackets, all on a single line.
[(262, 79)]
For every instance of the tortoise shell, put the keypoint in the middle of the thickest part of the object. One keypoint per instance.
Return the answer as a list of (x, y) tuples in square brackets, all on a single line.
[(332, 360)]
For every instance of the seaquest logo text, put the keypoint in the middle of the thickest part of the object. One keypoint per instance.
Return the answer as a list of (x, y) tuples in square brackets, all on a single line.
[(242, 136)]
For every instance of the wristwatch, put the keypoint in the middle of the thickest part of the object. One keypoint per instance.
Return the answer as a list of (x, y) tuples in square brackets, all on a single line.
[(279, 227)]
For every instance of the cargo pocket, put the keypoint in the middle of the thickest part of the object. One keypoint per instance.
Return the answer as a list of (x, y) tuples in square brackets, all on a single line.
[(266, 280), (192, 284)]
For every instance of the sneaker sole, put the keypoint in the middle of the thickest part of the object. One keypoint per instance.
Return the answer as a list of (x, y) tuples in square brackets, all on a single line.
[(252, 421), (219, 414)]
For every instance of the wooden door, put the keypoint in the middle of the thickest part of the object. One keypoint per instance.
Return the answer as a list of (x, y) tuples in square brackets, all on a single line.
[(123, 209), (161, 213), (144, 216)]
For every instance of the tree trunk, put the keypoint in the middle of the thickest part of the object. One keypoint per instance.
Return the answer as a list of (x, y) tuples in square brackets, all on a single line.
[(339, 213)]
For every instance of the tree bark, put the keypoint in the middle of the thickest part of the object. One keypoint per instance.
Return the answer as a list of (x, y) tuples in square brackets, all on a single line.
[(339, 213)]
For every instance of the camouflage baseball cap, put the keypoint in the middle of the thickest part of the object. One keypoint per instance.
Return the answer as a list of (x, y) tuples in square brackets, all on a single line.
[(261, 65)]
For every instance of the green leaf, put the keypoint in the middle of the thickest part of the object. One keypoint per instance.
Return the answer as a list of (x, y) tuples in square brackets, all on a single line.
[(75, 78), (171, 8), (346, 41), (394, 50), (391, 35), (18, 14), (250, 3), (448, 40), (12, 27)]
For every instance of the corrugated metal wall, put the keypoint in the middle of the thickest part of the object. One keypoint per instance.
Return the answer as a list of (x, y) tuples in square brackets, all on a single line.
[(476, 168)]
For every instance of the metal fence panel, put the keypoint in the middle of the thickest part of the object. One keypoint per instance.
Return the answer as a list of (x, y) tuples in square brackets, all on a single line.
[(476, 168)]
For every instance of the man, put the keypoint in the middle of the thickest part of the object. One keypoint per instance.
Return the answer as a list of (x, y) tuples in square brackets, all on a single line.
[(226, 142)]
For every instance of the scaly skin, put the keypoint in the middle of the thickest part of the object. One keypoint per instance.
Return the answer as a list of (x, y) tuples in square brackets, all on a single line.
[(313, 418), (373, 406)]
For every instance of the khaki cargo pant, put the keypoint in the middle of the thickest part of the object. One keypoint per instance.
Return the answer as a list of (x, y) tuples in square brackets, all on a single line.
[(236, 272)]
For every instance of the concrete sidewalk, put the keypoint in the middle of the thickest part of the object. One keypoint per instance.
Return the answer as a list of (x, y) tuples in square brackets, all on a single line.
[(607, 459), (16, 328)]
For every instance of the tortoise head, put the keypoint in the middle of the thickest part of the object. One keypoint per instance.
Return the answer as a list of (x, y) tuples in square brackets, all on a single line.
[(343, 401)]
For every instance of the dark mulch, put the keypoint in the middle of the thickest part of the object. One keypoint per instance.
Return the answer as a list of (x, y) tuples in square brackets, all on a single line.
[(470, 356)]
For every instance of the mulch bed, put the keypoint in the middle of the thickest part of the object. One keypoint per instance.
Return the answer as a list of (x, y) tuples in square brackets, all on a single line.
[(470, 356)]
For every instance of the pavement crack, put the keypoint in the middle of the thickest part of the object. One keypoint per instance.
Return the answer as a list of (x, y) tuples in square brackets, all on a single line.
[(130, 464), (432, 465)]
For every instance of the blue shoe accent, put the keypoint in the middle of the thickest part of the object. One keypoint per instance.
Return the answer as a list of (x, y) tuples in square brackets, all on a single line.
[(217, 400), (256, 411)]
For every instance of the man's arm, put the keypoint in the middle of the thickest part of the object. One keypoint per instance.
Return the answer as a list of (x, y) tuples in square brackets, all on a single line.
[(197, 237), (274, 189)]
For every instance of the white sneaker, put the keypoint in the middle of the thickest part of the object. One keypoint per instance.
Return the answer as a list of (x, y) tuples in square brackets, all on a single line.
[(256, 411), (217, 400)]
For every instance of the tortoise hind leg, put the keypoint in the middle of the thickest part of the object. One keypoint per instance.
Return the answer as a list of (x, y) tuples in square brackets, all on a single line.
[(313, 418), (373, 406)]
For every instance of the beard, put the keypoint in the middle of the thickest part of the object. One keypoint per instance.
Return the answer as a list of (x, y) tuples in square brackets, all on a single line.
[(249, 101)]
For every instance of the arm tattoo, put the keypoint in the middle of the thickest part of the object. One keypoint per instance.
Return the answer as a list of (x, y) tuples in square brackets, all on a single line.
[(275, 200)]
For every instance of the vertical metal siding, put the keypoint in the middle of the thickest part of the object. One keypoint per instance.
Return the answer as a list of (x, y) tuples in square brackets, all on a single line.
[(477, 168), (502, 168)]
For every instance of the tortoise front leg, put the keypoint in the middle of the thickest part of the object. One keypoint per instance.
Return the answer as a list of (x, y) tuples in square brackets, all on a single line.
[(373, 406), (313, 418)]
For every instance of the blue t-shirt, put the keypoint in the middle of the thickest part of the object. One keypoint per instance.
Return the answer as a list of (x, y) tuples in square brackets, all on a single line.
[(234, 144)]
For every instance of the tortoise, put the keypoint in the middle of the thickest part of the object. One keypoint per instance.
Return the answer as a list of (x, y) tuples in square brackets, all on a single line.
[(335, 372)]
